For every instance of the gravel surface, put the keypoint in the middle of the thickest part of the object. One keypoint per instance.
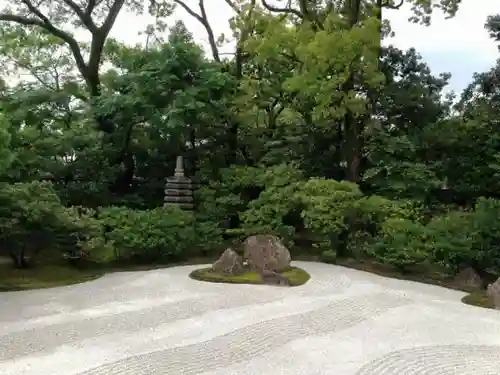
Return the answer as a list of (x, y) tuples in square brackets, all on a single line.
[(160, 322)]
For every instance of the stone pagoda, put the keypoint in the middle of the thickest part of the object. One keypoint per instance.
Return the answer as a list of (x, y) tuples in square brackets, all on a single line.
[(179, 188)]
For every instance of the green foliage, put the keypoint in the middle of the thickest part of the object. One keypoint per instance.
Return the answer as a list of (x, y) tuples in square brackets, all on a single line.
[(5, 152), (209, 236), (373, 210), (461, 239), (328, 204), (33, 220), (261, 195), (317, 54), (401, 243), (268, 213), (161, 234), (451, 240), (485, 228)]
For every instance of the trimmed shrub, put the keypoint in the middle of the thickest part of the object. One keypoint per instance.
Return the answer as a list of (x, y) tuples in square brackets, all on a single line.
[(160, 234)]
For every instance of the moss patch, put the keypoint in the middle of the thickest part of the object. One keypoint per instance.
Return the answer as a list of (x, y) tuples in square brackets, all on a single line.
[(295, 275), (479, 299), (43, 276)]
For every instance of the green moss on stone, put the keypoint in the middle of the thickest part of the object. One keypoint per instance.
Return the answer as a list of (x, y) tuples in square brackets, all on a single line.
[(296, 276)]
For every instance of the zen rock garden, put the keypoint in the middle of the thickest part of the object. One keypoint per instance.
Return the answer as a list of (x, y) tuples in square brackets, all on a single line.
[(265, 260)]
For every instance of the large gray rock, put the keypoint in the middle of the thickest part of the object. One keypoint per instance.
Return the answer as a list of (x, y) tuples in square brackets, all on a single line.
[(229, 263), (494, 293), (469, 278), (266, 252)]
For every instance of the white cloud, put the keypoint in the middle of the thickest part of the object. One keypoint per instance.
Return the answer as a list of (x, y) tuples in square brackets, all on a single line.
[(460, 45), (465, 32)]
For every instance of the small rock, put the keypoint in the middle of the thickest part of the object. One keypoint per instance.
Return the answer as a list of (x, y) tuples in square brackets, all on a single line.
[(266, 252), (273, 278), (229, 263), (494, 293)]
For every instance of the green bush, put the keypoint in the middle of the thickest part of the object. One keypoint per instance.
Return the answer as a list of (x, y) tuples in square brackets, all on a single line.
[(260, 190), (160, 234), (372, 212), (461, 239), (268, 213), (328, 207), (358, 242), (451, 240), (401, 243), (208, 236), (33, 220), (485, 232)]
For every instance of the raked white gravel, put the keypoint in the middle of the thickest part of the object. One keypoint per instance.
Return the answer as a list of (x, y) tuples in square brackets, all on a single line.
[(342, 322)]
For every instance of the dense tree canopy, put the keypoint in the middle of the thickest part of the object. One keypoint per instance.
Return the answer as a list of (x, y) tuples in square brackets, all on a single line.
[(312, 128)]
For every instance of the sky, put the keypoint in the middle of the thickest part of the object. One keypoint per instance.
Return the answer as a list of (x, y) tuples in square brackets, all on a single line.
[(460, 45)]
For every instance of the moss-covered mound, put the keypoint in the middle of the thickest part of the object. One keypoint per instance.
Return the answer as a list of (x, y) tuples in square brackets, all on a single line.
[(480, 299), (43, 276), (296, 276)]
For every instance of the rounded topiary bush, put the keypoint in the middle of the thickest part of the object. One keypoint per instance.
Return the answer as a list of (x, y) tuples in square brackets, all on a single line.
[(295, 276), (329, 256)]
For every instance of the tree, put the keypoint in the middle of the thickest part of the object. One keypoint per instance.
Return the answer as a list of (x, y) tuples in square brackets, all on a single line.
[(355, 15), (242, 25), (409, 111), (96, 17)]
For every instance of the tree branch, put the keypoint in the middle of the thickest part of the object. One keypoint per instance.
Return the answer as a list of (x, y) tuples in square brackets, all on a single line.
[(45, 23), (203, 19), (245, 33), (33, 72), (97, 45), (20, 20), (190, 11), (288, 10), (90, 8), (233, 6), (111, 18), (388, 4), (210, 32), (82, 15), (303, 13)]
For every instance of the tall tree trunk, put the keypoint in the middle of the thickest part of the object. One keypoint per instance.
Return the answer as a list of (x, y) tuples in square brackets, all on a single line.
[(19, 258), (353, 129)]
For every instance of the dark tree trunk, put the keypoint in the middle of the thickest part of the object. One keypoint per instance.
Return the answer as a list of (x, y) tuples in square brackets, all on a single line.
[(19, 258), (353, 129)]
